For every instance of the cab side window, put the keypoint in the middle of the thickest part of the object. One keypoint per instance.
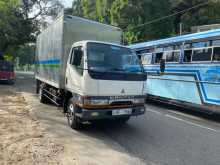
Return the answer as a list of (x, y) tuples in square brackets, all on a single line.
[(77, 59)]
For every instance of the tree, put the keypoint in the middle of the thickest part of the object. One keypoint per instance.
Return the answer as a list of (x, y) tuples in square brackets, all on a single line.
[(205, 14), (89, 9), (131, 14), (8, 21), (19, 21), (103, 10), (77, 8), (26, 54)]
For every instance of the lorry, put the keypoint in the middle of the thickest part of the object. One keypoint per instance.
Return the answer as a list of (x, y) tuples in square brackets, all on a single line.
[(7, 74), (82, 66)]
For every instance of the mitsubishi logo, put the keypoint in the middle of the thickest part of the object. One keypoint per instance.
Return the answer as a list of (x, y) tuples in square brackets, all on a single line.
[(122, 91)]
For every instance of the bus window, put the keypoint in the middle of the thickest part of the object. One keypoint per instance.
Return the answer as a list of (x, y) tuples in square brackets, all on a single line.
[(159, 56), (176, 56), (172, 56), (216, 43), (187, 46), (159, 49), (200, 44), (202, 55), (177, 47), (187, 56), (146, 59), (168, 56), (168, 48), (216, 54)]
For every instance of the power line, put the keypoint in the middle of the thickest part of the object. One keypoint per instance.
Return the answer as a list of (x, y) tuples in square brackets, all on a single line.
[(171, 15)]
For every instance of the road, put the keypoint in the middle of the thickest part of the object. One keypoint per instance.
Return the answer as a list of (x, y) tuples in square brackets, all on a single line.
[(163, 136)]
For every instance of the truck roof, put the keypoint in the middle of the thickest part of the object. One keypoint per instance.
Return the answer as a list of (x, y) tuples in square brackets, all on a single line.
[(79, 18), (91, 21), (101, 42)]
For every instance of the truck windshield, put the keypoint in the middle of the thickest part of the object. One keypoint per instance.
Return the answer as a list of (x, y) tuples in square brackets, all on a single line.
[(109, 58)]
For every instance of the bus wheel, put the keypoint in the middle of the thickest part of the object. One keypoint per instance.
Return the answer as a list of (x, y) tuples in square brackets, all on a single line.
[(73, 120)]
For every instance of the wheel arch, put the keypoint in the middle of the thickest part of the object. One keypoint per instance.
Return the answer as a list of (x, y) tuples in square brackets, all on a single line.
[(67, 96)]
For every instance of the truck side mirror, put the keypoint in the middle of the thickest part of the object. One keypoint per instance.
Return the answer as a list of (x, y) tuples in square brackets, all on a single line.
[(162, 65)]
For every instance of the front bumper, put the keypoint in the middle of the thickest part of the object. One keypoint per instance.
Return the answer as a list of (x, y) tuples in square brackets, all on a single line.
[(88, 115)]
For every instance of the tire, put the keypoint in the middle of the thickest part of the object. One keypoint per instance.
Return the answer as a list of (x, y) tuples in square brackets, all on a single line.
[(43, 99), (73, 120)]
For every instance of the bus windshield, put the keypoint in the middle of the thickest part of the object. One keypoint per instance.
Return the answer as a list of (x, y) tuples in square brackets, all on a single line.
[(109, 58)]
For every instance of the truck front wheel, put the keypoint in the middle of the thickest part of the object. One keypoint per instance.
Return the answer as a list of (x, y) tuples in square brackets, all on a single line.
[(73, 120)]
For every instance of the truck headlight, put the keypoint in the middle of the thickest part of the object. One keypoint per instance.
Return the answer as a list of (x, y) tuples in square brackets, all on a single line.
[(139, 101), (91, 101)]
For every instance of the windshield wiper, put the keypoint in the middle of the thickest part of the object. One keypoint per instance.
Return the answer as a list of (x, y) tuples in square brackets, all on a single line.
[(117, 69)]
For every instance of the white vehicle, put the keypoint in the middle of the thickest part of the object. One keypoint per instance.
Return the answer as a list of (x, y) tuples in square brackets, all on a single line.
[(91, 79)]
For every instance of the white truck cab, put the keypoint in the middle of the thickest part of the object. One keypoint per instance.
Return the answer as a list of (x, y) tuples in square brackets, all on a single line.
[(105, 81)]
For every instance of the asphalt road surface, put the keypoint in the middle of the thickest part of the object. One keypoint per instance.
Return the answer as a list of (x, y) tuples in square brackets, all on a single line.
[(163, 136)]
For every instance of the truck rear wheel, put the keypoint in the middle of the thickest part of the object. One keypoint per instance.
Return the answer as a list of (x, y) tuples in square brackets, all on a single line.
[(73, 120)]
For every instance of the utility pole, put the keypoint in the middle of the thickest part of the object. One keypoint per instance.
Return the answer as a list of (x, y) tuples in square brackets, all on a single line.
[(181, 28)]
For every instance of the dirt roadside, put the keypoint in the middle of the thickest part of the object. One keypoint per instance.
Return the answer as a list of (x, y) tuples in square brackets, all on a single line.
[(22, 138)]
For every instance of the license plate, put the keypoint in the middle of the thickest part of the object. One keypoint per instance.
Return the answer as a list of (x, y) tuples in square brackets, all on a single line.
[(121, 112)]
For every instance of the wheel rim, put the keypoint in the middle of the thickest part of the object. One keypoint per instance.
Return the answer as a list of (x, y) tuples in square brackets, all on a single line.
[(71, 113)]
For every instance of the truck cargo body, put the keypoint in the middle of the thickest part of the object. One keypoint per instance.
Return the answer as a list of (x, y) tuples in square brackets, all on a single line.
[(54, 44)]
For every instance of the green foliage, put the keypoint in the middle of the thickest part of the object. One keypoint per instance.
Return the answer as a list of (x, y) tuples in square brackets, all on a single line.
[(77, 8), (18, 27), (15, 29), (26, 54), (207, 14), (89, 9), (8, 57), (129, 14)]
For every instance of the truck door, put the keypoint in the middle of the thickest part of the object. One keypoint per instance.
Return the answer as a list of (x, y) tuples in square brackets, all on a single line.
[(75, 70)]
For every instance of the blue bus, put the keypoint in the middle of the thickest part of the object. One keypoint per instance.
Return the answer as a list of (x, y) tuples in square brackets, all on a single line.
[(192, 74)]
